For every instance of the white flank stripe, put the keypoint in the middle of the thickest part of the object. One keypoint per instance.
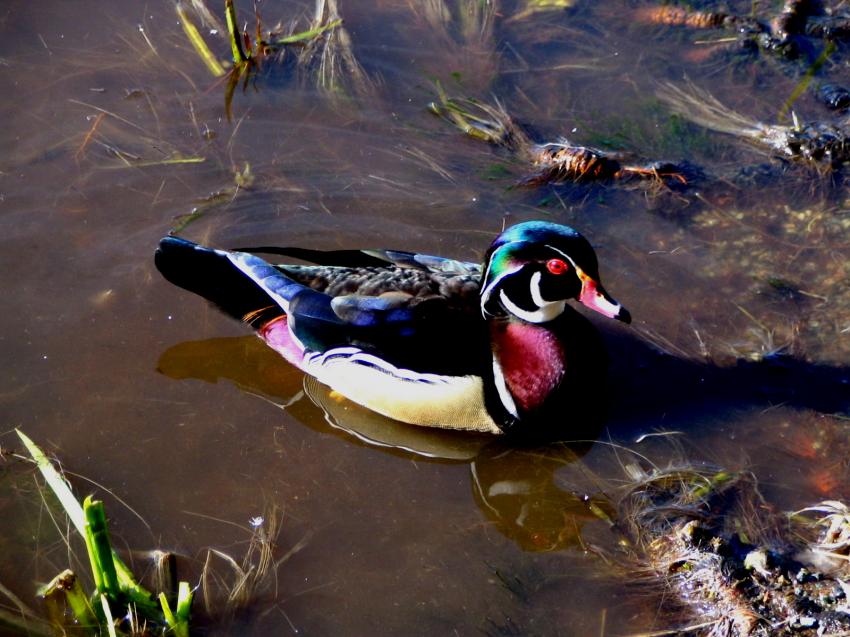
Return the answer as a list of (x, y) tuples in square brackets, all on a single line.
[(353, 355), (404, 374)]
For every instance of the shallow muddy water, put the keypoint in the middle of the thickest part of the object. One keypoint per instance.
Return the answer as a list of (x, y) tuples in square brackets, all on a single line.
[(115, 133)]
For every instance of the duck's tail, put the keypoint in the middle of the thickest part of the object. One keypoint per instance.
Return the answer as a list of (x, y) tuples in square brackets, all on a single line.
[(235, 282)]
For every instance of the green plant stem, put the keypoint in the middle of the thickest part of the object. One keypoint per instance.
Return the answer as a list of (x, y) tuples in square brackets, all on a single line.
[(803, 84), (100, 549), (184, 603), (179, 622), (237, 47)]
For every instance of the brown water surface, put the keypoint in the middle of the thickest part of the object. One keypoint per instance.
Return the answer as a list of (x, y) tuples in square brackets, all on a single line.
[(148, 391)]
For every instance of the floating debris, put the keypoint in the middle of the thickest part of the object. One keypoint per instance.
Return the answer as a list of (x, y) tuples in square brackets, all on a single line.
[(553, 162), (832, 546), (488, 123), (562, 161), (466, 22), (784, 33), (814, 142), (329, 62), (682, 17)]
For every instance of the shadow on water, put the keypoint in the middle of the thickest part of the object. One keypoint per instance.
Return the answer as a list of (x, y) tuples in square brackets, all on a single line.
[(514, 481)]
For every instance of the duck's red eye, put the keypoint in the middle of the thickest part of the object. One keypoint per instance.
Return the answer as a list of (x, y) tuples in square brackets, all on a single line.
[(557, 266)]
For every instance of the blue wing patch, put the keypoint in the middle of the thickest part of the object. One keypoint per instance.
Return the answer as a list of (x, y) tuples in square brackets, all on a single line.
[(373, 310)]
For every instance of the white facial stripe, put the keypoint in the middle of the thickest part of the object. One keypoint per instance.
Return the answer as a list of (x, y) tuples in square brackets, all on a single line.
[(542, 314), (563, 254), (536, 296), (502, 389), (485, 294), (546, 310), (487, 291)]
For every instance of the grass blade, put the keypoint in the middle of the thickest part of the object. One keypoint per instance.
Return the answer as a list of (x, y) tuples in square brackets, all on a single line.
[(178, 619), (107, 613), (305, 36), (198, 43), (58, 483), (803, 84), (170, 619)]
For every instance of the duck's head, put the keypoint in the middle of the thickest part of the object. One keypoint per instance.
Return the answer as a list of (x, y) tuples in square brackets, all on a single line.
[(533, 268)]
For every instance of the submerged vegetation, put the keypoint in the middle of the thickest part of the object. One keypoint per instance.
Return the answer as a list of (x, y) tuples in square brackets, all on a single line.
[(785, 32), (814, 142), (729, 563), (322, 51), (550, 162)]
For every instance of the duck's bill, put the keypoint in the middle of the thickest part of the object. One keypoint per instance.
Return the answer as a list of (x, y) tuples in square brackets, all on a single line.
[(596, 298)]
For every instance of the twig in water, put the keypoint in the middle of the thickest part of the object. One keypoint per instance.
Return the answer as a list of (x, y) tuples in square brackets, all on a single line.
[(87, 138)]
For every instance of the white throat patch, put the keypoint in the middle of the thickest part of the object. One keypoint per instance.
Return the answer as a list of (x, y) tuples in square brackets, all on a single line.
[(546, 310)]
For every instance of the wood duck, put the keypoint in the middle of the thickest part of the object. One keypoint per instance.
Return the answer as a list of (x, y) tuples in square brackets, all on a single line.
[(422, 339)]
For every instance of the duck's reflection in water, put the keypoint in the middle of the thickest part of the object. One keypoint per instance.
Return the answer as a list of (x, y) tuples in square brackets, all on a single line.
[(514, 486), (517, 491)]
